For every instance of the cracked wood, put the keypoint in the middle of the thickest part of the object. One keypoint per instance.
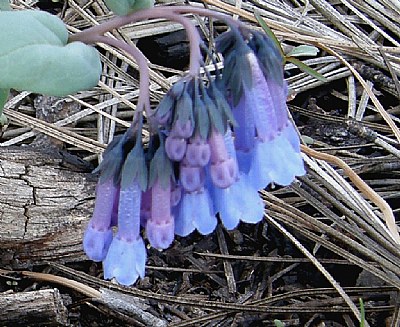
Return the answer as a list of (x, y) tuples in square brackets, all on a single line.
[(46, 200)]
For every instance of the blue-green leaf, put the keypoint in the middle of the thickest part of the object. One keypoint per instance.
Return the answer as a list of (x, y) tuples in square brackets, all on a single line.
[(125, 7), (35, 56), (5, 5), (303, 51)]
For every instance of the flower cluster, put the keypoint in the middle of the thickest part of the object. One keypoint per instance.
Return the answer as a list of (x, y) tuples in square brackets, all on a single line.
[(218, 141)]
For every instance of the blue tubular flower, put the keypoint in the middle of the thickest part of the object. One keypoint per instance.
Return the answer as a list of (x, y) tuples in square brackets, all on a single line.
[(126, 257), (98, 234), (268, 149), (240, 201), (272, 129)]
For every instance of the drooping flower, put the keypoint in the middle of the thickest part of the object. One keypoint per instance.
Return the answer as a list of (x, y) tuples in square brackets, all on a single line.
[(126, 256), (268, 151), (98, 234), (160, 225), (240, 201)]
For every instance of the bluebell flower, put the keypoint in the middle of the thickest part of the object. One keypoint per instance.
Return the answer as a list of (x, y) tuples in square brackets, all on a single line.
[(199, 169), (98, 234), (267, 147), (126, 256), (160, 225), (240, 201)]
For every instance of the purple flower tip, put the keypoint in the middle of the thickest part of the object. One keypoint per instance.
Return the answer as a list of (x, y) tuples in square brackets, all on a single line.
[(125, 260), (160, 235), (198, 152), (175, 147), (96, 242)]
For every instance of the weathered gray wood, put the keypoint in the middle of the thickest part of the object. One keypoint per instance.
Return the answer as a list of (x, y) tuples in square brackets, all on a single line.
[(35, 308), (44, 206)]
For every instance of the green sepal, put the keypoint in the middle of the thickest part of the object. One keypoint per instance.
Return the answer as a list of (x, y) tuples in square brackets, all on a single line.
[(307, 69), (134, 169), (114, 157), (184, 109), (125, 7), (202, 125), (160, 168), (215, 115), (35, 55), (165, 107), (223, 107)]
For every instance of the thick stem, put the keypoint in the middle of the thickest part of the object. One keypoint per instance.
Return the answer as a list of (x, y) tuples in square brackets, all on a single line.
[(171, 13), (144, 95), (156, 12)]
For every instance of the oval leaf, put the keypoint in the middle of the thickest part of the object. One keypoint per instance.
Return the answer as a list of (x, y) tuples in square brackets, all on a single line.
[(35, 56), (303, 51)]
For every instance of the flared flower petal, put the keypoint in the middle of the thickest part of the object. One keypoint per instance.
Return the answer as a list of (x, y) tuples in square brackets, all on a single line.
[(125, 260), (239, 202), (195, 211), (275, 161)]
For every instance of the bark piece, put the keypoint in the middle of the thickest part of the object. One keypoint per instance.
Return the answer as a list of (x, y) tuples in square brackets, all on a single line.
[(44, 207), (35, 308)]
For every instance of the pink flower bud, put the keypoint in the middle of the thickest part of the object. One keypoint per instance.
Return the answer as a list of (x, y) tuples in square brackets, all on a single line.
[(191, 178), (184, 130), (175, 147), (225, 173), (198, 152)]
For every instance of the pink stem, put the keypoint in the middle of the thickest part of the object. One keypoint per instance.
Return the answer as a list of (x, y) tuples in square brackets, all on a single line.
[(143, 101), (171, 13)]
